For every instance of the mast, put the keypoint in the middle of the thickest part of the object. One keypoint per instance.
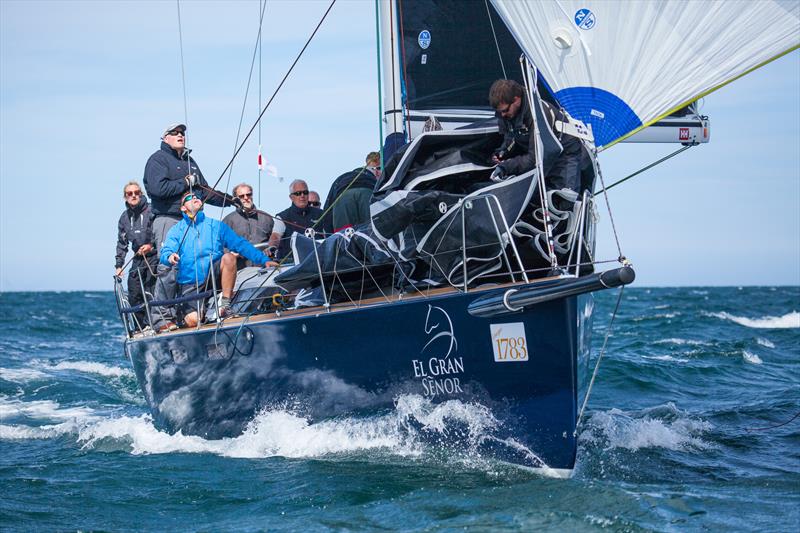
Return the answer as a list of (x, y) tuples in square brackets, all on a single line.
[(393, 116)]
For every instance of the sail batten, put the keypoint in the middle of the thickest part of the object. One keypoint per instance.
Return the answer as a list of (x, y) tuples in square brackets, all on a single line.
[(621, 66)]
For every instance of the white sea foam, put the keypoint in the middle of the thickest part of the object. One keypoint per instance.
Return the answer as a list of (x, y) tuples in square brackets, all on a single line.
[(23, 432), (681, 342), (41, 410), (765, 342), (789, 320), (666, 358), (750, 357), (282, 433), (653, 429), (93, 368), (21, 375)]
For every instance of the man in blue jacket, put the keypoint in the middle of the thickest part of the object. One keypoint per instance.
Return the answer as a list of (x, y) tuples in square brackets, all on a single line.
[(195, 244), (167, 174)]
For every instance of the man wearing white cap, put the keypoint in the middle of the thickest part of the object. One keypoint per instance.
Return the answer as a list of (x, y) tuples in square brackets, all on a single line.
[(167, 174)]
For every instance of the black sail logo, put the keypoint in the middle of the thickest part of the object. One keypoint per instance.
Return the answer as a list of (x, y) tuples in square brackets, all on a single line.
[(439, 375)]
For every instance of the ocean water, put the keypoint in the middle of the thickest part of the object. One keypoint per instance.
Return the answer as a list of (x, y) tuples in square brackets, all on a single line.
[(690, 427)]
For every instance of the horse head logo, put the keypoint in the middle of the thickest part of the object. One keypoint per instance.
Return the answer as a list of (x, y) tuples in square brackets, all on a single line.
[(440, 318)]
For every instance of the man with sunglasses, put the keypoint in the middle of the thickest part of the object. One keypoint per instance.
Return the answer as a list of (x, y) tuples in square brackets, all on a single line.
[(248, 222), (517, 155), (195, 244), (134, 230), (297, 217), (167, 174), (313, 199)]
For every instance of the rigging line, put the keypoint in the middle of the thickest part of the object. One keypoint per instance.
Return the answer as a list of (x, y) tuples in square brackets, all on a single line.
[(256, 48), (275, 93), (404, 79), (496, 44), (648, 167), (608, 207), (599, 358), (380, 87), (260, 77), (183, 70)]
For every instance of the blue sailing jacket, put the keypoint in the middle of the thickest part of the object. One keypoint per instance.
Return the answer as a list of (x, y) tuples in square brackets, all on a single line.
[(205, 240)]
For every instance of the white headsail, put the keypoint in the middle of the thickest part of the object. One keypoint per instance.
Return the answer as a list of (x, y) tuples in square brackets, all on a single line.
[(621, 65)]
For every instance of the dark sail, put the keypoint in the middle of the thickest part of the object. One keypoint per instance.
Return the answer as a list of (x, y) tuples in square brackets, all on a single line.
[(455, 63)]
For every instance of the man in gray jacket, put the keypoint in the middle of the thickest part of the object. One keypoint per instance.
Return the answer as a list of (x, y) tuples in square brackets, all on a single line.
[(248, 222)]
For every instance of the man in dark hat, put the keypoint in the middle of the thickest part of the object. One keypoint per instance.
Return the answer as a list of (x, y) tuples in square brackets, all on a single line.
[(167, 174)]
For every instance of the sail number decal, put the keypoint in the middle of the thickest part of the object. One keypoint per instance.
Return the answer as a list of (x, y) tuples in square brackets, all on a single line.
[(509, 343)]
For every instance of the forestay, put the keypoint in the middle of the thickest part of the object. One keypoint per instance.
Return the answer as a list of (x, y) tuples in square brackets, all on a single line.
[(621, 66)]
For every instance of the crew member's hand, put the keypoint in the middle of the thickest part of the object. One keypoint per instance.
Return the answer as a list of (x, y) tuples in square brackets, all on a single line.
[(119, 272), (271, 251), (191, 180), (174, 258), (270, 264), (495, 159), (498, 174), (237, 202), (144, 249)]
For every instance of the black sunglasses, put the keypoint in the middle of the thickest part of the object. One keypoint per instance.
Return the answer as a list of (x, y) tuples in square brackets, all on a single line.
[(245, 195), (314, 204), (133, 193), (176, 132), (300, 193)]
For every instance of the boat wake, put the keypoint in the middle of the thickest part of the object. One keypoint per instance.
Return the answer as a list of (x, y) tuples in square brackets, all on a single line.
[(789, 320), (449, 433)]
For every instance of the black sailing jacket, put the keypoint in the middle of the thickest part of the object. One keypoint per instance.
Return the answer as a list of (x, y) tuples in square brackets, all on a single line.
[(134, 228)]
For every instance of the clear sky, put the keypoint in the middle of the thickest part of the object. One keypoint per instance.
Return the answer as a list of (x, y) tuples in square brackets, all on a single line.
[(86, 88)]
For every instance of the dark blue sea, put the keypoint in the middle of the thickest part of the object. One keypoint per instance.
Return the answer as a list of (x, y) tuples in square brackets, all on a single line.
[(690, 427)]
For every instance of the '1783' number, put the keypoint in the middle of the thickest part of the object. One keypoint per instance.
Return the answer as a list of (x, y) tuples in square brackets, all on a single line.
[(512, 348)]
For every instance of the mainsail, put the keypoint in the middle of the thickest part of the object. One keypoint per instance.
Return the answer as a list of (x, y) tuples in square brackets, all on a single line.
[(621, 66)]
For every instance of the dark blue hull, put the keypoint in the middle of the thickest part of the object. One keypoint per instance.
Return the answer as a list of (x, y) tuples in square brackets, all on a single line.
[(524, 367)]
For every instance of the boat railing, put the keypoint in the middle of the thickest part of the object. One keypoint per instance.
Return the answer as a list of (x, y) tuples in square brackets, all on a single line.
[(514, 269)]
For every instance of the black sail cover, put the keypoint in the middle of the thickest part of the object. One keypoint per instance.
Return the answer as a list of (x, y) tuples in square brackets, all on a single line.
[(435, 207)]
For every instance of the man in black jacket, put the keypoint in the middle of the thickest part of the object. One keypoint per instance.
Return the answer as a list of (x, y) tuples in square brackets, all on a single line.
[(297, 217), (135, 230), (517, 154), (249, 222), (168, 173), (350, 195)]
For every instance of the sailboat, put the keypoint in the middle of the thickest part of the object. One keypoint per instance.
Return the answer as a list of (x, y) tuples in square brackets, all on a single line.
[(453, 292)]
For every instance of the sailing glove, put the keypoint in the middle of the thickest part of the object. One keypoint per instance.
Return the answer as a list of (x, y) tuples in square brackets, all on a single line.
[(498, 174), (191, 180)]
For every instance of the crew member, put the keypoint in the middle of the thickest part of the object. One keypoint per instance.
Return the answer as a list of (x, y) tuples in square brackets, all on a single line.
[(297, 217), (197, 242), (134, 230), (168, 172), (517, 153), (249, 222)]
